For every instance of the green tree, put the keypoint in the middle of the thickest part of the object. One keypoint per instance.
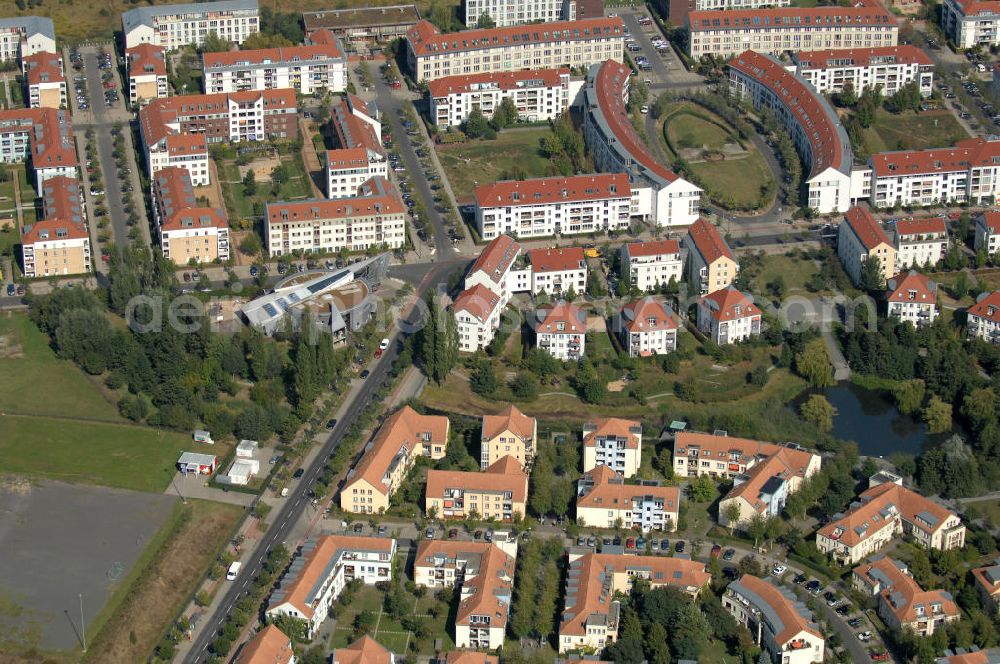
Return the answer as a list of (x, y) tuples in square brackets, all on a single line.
[(732, 514), (213, 43), (937, 415), (438, 341), (249, 184), (871, 280), (818, 411), (813, 364), (505, 114), (524, 386), (702, 490), (909, 394), (476, 124), (484, 379), (485, 22)]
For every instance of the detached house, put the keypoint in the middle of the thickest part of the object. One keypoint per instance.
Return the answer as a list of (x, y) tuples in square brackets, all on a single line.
[(613, 442), (604, 500), (912, 297), (560, 330), (646, 327), (728, 316), (711, 263), (920, 242), (984, 318), (902, 603), (509, 433), (861, 238)]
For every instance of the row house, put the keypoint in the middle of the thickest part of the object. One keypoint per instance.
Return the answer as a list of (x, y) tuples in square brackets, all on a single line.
[(613, 442), (983, 318), (806, 115), (22, 36), (710, 262), (725, 457), (358, 155), (647, 327), (189, 233), (432, 54), (920, 242), (661, 196), (375, 217), (41, 137), (380, 471), (516, 12), (44, 80), (268, 646), (988, 231), (484, 573), (508, 433), (902, 604), (477, 318), (320, 571), (884, 512), (147, 73), (492, 268), (543, 207), (763, 490), (59, 243), (604, 500), (595, 582), (888, 67), (987, 580), (971, 23), (724, 34), (176, 26), (498, 493), (651, 265), (316, 67), (538, 95), (777, 621), (728, 316), (912, 297), (561, 330), (860, 239), (678, 10)]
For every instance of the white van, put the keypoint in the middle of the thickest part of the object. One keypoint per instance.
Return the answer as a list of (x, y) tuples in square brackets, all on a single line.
[(234, 569)]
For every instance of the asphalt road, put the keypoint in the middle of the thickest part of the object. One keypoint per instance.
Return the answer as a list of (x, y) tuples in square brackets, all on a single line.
[(282, 522)]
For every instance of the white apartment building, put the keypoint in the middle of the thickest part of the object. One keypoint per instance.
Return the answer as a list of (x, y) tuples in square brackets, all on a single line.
[(728, 33), (537, 94), (514, 12), (544, 207), (984, 318), (492, 269), (44, 79), (603, 500), (615, 443), (679, 9), (432, 55), (375, 217), (728, 316), (174, 26), (860, 238), (321, 570), (814, 127), (315, 67), (710, 262), (21, 36), (777, 620), (646, 327), (560, 330), (722, 456), (147, 73), (477, 317), (970, 23), (42, 137), (988, 232), (890, 67), (651, 265), (552, 271), (912, 297), (662, 196), (358, 156), (920, 242)]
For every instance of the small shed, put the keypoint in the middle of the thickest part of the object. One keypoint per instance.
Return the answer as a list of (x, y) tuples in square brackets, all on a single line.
[(247, 449), (202, 436), (192, 462)]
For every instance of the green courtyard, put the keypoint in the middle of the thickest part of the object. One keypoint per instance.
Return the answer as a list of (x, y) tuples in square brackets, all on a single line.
[(913, 131), (477, 162)]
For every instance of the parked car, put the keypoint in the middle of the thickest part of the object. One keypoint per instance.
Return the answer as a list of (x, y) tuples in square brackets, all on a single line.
[(453, 534), (665, 544), (630, 543), (679, 547), (844, 609), (364, 374), (716, 551), (330, 424), (299, 473), (429, 534), (814, 587), (855, 622), (778, 570), (729, 554), (799, 579), (11, 289)]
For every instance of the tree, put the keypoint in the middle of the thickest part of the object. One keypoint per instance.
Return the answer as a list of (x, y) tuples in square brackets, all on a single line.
[(909, 394), (259, 40), (757, 527), (505, 114), (871, 280), (937, 415), (476, 124), (249, 184), (702, 490), (486, 22), (818, 411), (251, 244), (524, 386), (279, 176), (813, 364), (732, 514), (437, 343), (484, 379), (215, 44)]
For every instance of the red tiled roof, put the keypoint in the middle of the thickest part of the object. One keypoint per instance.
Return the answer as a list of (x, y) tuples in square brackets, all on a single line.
[(164, 111), (469, 657), (722, 305), (614, 427), (991, 219), (61, 199), (146, 60), (346, 158), (43, 68), (424, 38), (550, 315), (365, 650), (758, 476), (637, 313), (866, 227), (509, 419), (195, 217), (708, 242), (497, 257), (268, 646), (502, 80), (862, 57), (352, 131), (378, 196), (740, 450), (540, 191), (805, 104), (653, 248), (405, 427), (777, 17), (970, 7), (920, 226), (172, 188), (479, 301), (899, 288), (51, 230), (969, 153), (505, 475), (557, 260), (792, 621), (983, 307), (50, 131), (611, 83), (610, 492), (281, 54)]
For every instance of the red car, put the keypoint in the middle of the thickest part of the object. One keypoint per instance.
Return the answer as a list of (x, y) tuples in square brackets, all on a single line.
[(395, 84), (716, 551), (630, 543), (879, 655)]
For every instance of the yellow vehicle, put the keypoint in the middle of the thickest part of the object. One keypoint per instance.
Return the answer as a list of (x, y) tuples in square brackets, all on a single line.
[(593, 252)]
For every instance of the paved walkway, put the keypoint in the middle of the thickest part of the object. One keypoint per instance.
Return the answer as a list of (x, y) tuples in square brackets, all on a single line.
[(841, 370), (310, 159)]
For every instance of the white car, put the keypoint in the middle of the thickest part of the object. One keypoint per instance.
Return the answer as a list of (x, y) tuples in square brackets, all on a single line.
[(644, 110), (384, 344), (864, 636), (778, 570)]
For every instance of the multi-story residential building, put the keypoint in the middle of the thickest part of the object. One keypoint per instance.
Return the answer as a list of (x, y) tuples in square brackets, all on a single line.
[(499, 493), (477, 317), (613, 442), (375, 217), (509, 433), (861, 239), (403, 437), (777, 621), (543, 207), (725, 33), (968, 172), (432, 54), (725, 457), (174, 26), (988, 231), (365, 650), (21, 36), (983, 318), (888, 67), (902, 603), (504, 13), (323, 568), (171, 191), (651, 265), (920, 242), (364, 25), (560, 330), (594, 582), (552, 271), (358, 156), (492, 269), (988, 585), (55, 247), (678, 10), (318, 66), (662, 196), (646, 326), (269, 646), (147, 73), (728, 316), (188, 232), (485, 574), (604, 500), (884, 512), (912, 297), (711, 263), (971, 23), (763, 490), (44, 79), (814, 127), (42, 137), (537, 95)]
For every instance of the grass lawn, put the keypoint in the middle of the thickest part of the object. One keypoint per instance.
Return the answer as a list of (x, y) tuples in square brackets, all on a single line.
[(913, 131), (482, 162), (687, 130), (15, 94), (389, 632), (990, 509), (795, 271), (740, 179), (241, 206)]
